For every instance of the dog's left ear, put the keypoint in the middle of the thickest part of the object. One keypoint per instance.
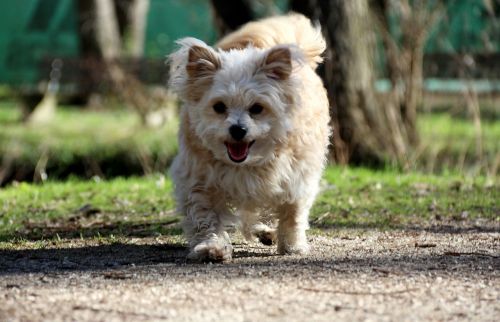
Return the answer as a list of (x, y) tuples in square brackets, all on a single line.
[(277, 63), (202, 62), (192, 68)]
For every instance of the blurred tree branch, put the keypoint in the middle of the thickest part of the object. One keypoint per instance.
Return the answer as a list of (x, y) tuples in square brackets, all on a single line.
[(101, 31), (405, 55)]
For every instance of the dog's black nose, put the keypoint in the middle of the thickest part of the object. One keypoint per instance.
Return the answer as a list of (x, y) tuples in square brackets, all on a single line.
[(238, 132)]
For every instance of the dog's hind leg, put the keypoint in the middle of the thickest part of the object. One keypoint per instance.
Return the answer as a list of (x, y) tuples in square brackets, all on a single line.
[(265, 234), (253, 227)]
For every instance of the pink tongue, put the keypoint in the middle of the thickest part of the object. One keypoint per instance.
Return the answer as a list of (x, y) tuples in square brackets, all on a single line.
[(238, 151)]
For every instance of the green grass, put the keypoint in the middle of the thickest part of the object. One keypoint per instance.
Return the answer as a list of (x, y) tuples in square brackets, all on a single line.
[(351, 197), (86, 143), (132, 207), (383, 199), (453, 144)]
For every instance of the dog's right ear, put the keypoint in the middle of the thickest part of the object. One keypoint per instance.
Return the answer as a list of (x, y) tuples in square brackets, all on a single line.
[(277, 63), (202, 62)]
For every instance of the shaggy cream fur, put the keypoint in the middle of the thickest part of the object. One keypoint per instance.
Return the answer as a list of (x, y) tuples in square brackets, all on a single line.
[(260, 79)]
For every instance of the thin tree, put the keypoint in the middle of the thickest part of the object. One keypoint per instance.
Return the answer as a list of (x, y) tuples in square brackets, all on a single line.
[(404, 54), (101, 36), (366, 130), (138, 23)]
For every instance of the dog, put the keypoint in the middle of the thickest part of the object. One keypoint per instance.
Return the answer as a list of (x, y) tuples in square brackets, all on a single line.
[(254, 135)]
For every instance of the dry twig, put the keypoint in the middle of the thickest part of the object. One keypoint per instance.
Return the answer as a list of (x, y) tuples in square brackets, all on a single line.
[(469, 254), (425, 245)]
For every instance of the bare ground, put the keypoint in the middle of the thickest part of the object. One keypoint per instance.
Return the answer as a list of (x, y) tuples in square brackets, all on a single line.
[(413, 274)]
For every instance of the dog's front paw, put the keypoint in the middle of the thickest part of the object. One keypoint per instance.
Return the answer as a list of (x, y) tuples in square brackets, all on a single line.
[(213, 250)]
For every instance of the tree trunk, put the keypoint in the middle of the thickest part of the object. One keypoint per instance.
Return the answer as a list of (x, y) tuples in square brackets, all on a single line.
[(107, 30), (230, 15), (138, 23), (366, 131)]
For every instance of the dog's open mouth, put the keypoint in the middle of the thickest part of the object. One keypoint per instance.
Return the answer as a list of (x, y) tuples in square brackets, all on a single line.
[(238, 151)]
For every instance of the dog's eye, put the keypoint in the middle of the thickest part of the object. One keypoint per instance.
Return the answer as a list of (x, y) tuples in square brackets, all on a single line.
[(255, 109), (219, 108)]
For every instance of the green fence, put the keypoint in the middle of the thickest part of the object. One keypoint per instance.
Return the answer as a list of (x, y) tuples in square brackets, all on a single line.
[(31, 30)]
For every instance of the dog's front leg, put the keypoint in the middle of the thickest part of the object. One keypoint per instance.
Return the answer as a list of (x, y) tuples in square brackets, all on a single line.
[(292, 226), (204, 229)]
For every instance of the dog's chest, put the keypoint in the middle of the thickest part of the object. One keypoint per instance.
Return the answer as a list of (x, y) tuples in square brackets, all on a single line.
[(252, 187)]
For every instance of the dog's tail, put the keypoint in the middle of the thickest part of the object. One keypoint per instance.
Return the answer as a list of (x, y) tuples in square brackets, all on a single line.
[(281, 30)]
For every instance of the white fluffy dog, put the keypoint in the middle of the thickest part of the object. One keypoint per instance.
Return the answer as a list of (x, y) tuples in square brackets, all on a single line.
[(253, 137)]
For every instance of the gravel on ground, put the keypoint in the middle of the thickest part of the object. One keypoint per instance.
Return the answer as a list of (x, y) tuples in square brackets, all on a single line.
[(395, 275)]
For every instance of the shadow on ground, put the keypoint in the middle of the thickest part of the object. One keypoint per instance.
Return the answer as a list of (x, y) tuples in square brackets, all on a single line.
[(170, 257), (89, 257)]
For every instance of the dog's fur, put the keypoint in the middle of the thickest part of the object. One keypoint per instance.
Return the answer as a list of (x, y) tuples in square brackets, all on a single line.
[(271, 63)]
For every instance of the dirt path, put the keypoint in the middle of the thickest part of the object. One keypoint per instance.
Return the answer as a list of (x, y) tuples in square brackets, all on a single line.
[(355, 276)]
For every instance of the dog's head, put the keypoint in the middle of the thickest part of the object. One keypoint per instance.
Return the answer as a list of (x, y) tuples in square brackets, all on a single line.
[(238, 102)]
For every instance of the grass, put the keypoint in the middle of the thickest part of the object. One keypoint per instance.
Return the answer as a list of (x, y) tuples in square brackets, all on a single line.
[(449, 143), (74, 208), (84, 143), (361, 197), (354, 198)]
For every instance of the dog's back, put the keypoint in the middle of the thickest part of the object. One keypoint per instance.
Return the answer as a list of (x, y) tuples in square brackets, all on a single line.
[(290, 29)]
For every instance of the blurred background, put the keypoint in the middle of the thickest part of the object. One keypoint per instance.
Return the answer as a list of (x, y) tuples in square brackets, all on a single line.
[(413, 84)]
